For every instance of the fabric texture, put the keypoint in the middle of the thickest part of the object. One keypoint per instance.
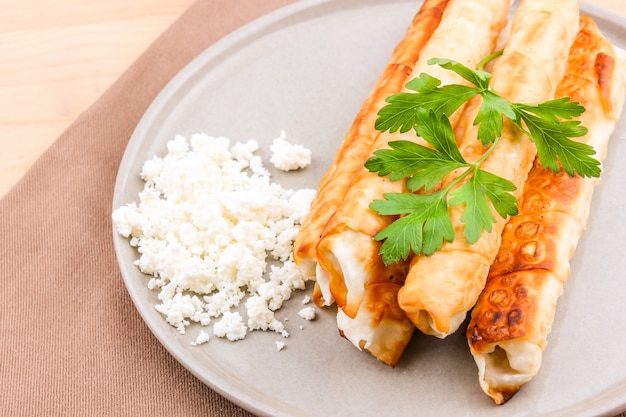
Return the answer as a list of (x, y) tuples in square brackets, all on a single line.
[(72, 342)]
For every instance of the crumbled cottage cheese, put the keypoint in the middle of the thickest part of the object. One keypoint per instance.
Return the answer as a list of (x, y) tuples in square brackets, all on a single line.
[(208, 223), (287, 156), (307, 313), (202, 337)]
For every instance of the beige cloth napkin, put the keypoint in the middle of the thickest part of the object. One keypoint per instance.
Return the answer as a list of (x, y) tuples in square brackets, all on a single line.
[(71, 341)]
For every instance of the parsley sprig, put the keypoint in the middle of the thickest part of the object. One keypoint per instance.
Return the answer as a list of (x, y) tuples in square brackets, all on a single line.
[(424, 221)]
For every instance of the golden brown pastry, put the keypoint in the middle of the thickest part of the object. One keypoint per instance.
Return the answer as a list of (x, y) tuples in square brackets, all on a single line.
[(381, 322), (513, 316), (356, 146), (351, 271), (442, 288)]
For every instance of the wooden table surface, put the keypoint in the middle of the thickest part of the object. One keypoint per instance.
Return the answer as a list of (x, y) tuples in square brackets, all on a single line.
[(58, 57)]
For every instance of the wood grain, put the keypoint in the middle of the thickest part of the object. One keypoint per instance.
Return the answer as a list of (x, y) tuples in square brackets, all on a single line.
[(59, 56)]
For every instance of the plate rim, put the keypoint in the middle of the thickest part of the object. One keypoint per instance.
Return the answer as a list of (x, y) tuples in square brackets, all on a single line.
[(292, 13)]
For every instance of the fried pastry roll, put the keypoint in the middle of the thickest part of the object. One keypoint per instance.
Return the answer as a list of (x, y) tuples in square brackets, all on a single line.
[(358, 280), (510, 323), (380, 326), (357, 143), (442, 288)]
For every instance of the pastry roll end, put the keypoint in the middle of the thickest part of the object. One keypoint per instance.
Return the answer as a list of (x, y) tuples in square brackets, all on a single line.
[(380, 326), (435, 299), (507, 334), (501, 373)]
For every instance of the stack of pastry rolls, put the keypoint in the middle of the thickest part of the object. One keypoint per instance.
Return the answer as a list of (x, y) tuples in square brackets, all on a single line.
[(512, 276), (394, 329), (349, 269), (357, 144), (395, 332)]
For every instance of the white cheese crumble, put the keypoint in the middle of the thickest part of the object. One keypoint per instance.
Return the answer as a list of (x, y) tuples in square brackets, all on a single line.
[(202, 337), (280, 345), (287, 156), (307, 313), (230, 326), (208, 223)]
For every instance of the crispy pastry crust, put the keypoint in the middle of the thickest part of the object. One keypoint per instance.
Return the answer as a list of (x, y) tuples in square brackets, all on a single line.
[(513, 316), (380, 326), (357, 143), (364, 288), (462, 35), (350, 270)]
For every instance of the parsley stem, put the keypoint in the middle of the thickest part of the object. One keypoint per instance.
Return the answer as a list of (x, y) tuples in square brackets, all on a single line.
[(471, 167), (487, 152), (483, 62)]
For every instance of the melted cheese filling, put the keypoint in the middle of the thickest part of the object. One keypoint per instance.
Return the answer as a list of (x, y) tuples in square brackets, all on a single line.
[(357, 330), (510, 363), (345, 256), (427, 325), (384, 338), (323, 281)]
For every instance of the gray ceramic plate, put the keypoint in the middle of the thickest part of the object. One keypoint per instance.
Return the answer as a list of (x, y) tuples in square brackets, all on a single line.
[(305, 69)]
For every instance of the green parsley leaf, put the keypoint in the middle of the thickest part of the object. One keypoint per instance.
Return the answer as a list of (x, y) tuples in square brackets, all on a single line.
[(489, 117), (423, 83), (424, 166), (438, 132), (477, 77), (404, 159), (423, 229), (424, 222), (401, 112), (555, 149), (481, 189), (553, 110), (441, 99)]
